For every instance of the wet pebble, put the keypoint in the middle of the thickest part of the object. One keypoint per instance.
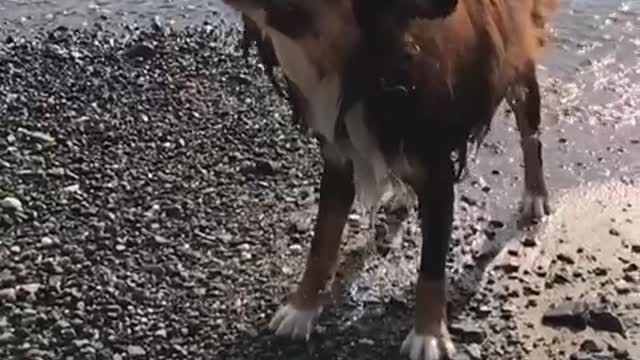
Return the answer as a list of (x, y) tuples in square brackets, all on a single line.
[(11, 204), (468, 332), (567, 314), (136, 351)]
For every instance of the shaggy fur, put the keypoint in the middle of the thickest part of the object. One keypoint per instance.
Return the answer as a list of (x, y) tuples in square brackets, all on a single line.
[(396, 91)]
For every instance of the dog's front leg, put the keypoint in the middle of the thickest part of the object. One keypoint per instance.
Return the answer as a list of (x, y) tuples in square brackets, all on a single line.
[(297, 318), (429, 339)]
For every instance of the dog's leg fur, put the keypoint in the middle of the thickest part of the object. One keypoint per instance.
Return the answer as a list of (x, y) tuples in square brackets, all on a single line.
[(297, 318), (524, 99), (429, 339), (397, 208)]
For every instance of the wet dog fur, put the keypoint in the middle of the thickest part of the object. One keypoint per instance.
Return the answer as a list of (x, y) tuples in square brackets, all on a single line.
[(396, 95)]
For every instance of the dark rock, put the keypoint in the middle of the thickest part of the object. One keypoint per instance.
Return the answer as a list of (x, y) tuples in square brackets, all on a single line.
[(635, 248), (529, 242), (531, 290), (590, 346), (510, 266), (600, 271), (569, 314), (631, 267), (604, 320), (591, 356), (468, 332), (174, 211), (566, 258), (140, 51), (559, 278)]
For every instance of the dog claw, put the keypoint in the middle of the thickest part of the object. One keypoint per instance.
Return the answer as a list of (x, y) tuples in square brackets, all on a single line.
[(534, 207), (427, 347), (294, 323)]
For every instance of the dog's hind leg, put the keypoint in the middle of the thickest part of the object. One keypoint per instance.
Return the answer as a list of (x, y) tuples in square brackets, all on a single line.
[(297, 318), (396, 207), (429, 339), (524, 99)]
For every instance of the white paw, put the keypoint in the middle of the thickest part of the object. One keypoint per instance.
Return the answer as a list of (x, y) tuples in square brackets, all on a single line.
[(294, 323), (534, 207), (427, 347)]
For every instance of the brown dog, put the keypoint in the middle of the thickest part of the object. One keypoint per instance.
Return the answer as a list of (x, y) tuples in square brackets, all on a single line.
[(394, 96)]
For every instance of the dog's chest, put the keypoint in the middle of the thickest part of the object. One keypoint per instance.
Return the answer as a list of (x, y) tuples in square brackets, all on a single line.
[(322, 98), (321, 94)]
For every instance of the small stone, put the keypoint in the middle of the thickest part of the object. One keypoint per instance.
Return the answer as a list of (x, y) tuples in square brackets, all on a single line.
[(67, 333), (622, 288), (590, 346), (140, 51), (30, 289), (161, 333), (37, 135), (531, 290), (496, 224), (157, 270), (136, 351), (529, 242), (474, 351), (468, 332), (635, 248), (295, 248), (600, 271), (567, 314), (160, 240), (559, 278), (47, 241), (618, 353), (366, 341), (8, 294), (7, 338), (565, 258), (604, 320), (630, 278), (614, 232), (11, 204), (174, 211), (632, 267), (511, 265), (71, 188)]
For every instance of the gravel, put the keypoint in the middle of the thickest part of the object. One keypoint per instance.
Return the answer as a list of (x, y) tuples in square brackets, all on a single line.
[(135, 156)]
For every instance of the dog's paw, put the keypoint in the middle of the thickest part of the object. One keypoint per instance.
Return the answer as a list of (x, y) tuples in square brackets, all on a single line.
[(427, 347), (294, 323), (534, 207)]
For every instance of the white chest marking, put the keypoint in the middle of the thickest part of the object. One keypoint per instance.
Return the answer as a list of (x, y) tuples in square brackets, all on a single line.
[(371, 173)]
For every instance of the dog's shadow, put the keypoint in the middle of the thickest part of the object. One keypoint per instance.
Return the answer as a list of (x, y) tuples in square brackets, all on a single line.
[(356, 330)]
